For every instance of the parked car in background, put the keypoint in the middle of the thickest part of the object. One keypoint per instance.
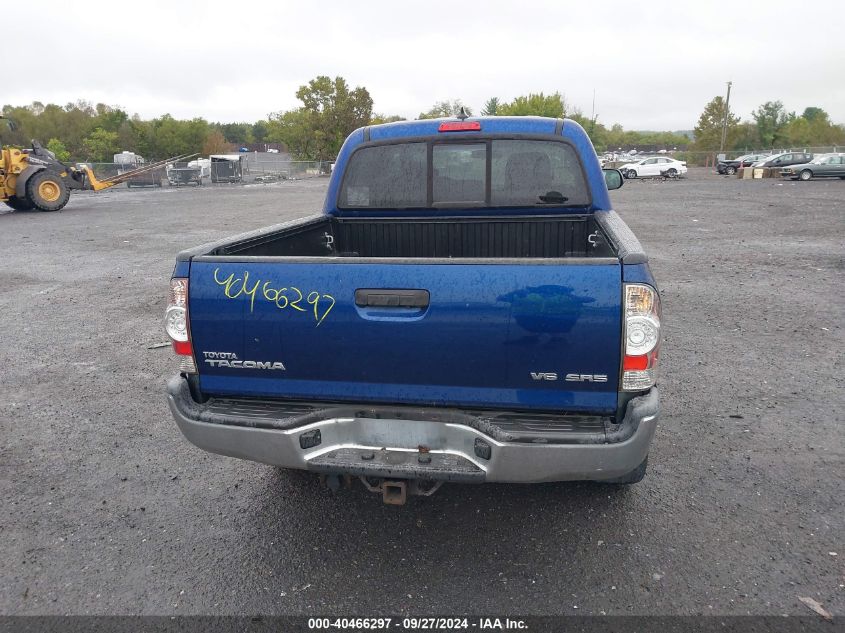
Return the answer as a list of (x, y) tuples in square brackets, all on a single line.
[(824, 166), (654, 166), (785, 159), (731, 166)]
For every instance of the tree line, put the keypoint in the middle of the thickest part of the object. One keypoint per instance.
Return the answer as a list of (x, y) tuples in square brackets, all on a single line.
[(83, 131), (330, 110), (555, 105), (770, 127)]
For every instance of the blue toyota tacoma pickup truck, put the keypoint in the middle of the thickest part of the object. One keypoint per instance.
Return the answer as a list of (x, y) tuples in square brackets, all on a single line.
[(466, 308)]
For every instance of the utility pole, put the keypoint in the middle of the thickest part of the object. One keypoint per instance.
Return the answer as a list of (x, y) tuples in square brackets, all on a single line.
[(725, 120)]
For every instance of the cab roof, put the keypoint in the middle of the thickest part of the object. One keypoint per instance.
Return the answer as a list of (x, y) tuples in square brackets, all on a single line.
[(528, 125)]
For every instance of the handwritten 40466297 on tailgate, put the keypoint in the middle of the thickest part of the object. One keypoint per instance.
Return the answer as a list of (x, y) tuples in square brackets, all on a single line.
[(466, 308)]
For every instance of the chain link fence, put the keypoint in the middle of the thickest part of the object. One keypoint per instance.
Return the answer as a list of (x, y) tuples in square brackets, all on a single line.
[(259, 169), (245, 168)]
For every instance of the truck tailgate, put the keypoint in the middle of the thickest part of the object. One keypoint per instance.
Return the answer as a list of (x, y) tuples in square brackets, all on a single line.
[(542, 336)]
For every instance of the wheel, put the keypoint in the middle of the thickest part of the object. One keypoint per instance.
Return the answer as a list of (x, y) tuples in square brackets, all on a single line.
[(805, 175), (671, 172), (47, 191), (19, 204), (633, 477), (631, 174), (730, 171)]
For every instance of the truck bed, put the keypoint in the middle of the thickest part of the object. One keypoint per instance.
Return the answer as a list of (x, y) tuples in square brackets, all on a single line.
[(471, 237)]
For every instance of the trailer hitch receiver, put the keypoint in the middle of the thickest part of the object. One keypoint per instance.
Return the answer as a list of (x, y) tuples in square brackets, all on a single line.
[(394, 492)]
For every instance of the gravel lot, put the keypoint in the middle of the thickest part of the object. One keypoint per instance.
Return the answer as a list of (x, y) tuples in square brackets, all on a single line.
[(106, 509)]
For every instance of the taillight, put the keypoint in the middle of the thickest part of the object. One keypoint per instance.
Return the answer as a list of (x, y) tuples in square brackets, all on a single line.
[(459, 126), (176, 324), (642, 337)]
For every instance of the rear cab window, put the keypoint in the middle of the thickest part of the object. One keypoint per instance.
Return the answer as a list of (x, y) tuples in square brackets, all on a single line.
[(477, 173), (386, 177)]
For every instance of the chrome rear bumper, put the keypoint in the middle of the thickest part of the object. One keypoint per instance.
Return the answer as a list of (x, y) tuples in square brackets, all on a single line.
[(404, 448)]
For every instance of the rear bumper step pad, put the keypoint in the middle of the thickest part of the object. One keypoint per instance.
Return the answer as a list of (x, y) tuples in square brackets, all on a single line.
[(506, 426)]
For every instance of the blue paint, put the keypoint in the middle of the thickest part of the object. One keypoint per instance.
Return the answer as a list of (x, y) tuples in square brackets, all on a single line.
[(638, 274), (182, 269), (486, 329)]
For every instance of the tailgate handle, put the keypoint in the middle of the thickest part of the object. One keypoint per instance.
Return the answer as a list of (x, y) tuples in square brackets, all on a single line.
[(390, 298)]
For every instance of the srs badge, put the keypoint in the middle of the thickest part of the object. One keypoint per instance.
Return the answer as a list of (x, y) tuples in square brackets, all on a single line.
[(586, 377)]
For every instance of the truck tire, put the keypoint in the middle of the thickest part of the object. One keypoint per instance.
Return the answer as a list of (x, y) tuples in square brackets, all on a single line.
[(47, 191), (633, 477), (19, 204)]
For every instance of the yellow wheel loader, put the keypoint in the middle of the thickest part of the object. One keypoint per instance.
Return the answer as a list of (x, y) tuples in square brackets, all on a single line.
[(35, 179)]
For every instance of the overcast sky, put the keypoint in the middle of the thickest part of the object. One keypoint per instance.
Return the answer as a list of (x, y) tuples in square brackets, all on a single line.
[(652, 63)]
